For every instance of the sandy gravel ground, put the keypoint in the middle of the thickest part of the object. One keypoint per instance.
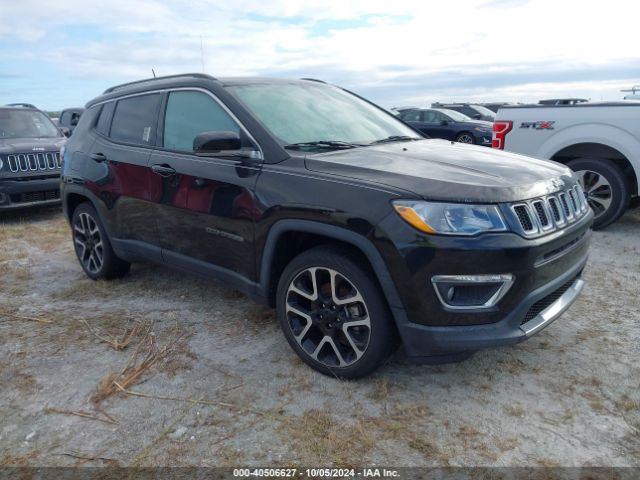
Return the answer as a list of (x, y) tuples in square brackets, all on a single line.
[(211, 380)]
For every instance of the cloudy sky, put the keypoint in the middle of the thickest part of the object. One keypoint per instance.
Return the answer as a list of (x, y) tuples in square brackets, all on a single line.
[(62, 53)]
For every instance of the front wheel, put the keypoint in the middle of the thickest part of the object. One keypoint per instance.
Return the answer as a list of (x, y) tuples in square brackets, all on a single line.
[(605, 189), (465, 137), (334, 315)]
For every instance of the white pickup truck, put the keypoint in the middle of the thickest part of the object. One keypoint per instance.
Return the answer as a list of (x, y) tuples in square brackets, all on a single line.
[(599, 141)]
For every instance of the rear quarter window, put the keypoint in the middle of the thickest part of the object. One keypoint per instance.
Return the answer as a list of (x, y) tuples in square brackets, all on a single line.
[(104, 121), (87, 119)]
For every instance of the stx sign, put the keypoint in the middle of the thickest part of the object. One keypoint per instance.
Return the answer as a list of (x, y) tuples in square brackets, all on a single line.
[(538, 125)]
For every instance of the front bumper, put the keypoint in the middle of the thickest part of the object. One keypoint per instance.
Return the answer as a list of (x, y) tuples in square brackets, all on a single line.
[(546, 273), (41, 192), (482, 138), (425, 341)]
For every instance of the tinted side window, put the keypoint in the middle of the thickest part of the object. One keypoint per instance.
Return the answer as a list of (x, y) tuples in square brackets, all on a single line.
[(105, 118), (412, 116), (189, 114), (134, 119), (65, 118), (431, 116), (468, 111), (86, 120)]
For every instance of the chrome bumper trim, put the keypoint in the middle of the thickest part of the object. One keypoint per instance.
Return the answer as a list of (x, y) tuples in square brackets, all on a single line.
[(554, 310)]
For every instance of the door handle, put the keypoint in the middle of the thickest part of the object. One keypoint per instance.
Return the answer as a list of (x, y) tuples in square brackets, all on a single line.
[(98, 157), (163, 170)]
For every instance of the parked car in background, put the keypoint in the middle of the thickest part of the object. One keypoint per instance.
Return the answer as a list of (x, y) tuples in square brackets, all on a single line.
[(495, 106), (29, 158), (562, 101), (449, 125), (634, 91), (69, 118), (599, 141), (471, 110), (361, 233)]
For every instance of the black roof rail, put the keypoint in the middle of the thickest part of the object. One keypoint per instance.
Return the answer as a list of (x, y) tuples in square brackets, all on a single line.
[(150, 80), (314, 80), (23, 105)]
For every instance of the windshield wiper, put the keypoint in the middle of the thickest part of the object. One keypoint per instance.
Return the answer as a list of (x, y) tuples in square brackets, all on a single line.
[(396, 138), (325, 144)]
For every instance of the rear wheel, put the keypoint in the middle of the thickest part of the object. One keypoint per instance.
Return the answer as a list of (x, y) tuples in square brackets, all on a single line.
[(605, 188), (465, 137), (334, 315), (92, 246)]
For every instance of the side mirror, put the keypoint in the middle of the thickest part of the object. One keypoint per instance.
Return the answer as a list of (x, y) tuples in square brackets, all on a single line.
[(65, 131), (74, 121), (477, 116), (444, 122), (222, 144)]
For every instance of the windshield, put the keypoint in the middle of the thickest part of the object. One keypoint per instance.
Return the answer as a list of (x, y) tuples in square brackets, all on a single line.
[(484, 111), (455, 116), (301, 113), (26, 124)]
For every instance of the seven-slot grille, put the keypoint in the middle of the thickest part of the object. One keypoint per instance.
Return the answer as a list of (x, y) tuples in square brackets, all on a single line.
[(29, 162), (546, 214)]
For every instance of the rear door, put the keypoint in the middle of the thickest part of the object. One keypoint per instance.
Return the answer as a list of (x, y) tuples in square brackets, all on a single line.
[(120, 155), (414, 118), (206, 206), (432, 121)]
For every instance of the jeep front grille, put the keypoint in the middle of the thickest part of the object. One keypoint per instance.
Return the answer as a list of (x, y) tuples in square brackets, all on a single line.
[(542, 215), (30, 162)]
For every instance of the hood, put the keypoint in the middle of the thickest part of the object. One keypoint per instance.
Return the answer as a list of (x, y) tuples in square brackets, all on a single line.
[(447, 171), (30, 145)]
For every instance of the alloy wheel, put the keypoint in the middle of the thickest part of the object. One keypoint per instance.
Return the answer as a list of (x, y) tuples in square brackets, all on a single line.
[(328, 317), (597, 190), (465, 138), (88, 242)]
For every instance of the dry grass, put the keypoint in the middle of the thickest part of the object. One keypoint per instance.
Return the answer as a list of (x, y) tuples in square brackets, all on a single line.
[(514, 410), (138, 365), (380, 390), (323, 440), (627, 404), (130, 333)]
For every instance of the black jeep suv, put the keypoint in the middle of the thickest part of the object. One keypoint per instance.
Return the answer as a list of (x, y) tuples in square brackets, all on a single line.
[(308, 198), (30, 160)]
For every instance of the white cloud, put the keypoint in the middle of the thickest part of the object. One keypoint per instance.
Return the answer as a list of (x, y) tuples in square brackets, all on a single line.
[(372, 43)]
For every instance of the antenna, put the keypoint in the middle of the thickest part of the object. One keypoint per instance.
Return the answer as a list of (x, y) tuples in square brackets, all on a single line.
[(154, 73), (201, 54)]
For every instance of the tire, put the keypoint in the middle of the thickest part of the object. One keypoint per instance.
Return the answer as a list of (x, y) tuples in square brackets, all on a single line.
[(348, 338), (605, 187), (92, 246), (465, 137)]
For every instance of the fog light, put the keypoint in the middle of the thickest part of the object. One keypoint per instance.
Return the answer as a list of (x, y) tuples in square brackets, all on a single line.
[(465, 292)]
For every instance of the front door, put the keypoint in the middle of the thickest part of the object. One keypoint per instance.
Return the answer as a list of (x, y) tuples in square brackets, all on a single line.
[(205, 206)]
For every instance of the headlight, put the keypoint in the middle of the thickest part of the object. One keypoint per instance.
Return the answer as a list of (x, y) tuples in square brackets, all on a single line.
[(482, 129), (451, 218)]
